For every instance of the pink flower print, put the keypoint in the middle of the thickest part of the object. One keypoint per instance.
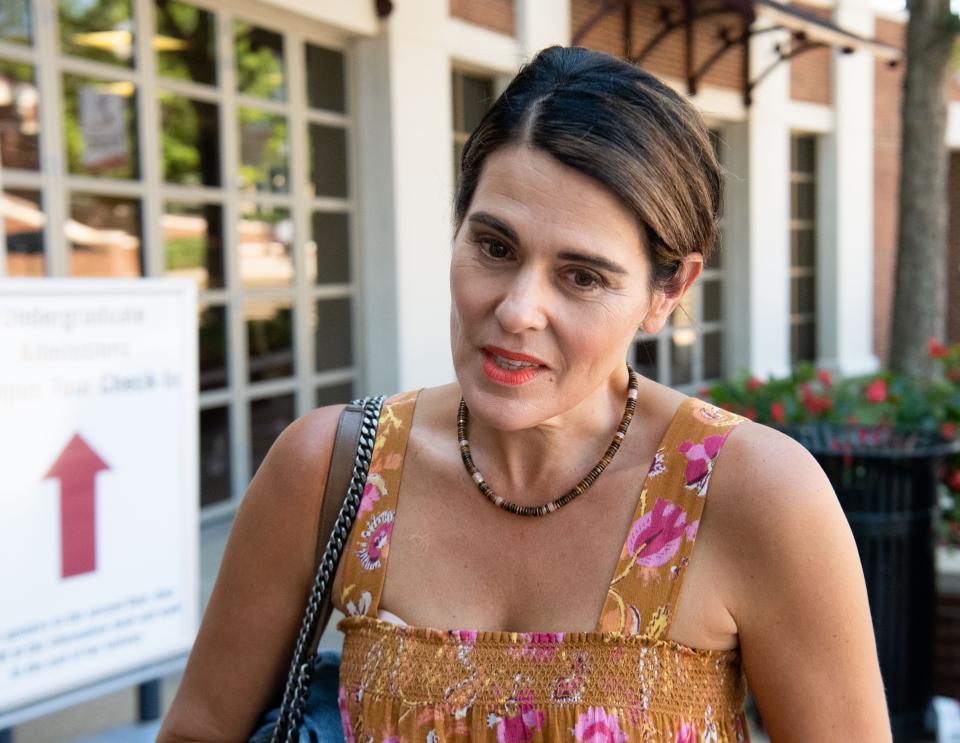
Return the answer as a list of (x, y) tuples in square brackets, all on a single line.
[(658, 467), (700, 458), (687, 733), (540, 647), (374, 490), (518, 728), (596, 726), (692, 530), (375, 540), (656, 536), (467, 637), (345, 716)]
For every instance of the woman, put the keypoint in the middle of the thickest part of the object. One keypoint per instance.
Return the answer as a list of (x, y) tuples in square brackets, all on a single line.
[(586, 209)]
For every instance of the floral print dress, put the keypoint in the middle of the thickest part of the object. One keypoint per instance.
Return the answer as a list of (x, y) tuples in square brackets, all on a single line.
[(622, 682)]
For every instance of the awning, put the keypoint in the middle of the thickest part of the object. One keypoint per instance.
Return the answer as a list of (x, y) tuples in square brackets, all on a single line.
[(824, 33), (807, 31)]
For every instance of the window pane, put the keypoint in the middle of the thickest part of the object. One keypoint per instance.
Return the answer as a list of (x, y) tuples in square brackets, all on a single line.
[(803, 248), (263, 151), (265, 245), (332, 332), (713, 356), (212, 324), (803, 200), (325, 79), (23, 224), (803, 294), (803, 342), (328, 160), (260, 69), (803, 154), (15, 21), (185, 42), (268, 418), (193, 243), (712, 300), (190, 133), (214, 455), (337, 394), (681, 356), (477, 99), (101, 30), (100, 127), (269, 338), (328, 259), (19, 116), (645, 358), (105, 236)]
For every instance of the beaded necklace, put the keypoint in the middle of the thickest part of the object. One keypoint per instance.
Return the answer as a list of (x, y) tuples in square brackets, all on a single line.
[(581, 487)]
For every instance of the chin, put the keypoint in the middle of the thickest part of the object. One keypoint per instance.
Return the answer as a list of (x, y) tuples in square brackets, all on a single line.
[(504, 408)]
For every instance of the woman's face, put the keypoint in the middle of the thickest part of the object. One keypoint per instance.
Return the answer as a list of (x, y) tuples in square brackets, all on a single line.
[(549, 285)]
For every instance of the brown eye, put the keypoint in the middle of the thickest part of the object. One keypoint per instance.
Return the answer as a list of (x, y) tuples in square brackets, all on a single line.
[(585, 279), (494, 249)]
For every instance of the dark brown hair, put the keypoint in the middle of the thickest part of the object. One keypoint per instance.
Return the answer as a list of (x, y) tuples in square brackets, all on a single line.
[(618, 124)]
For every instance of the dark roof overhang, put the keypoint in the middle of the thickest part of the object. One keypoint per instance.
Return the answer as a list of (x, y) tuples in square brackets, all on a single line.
[(806, 31)]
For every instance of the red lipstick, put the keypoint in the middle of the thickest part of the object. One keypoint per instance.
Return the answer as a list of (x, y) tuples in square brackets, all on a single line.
[(509, 377)]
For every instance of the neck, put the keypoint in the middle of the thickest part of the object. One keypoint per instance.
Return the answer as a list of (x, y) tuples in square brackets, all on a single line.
[(533, 465)]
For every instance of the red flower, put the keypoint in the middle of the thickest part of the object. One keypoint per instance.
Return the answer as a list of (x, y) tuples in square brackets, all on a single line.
[(778, 413), (876, 391), (704, 393), (953, 482), (750, 414), (936, 349), (954, 376), (949, 430), (826, 379), (816, 404), (754, 384)]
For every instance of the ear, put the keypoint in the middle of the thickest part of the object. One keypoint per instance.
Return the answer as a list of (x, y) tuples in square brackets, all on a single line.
[(664, 303)]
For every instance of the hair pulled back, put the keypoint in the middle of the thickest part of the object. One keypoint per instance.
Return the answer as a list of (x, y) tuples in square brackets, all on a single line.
[(618, 124)]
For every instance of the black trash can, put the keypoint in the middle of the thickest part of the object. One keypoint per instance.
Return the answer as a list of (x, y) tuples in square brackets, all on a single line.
[(886, 480)]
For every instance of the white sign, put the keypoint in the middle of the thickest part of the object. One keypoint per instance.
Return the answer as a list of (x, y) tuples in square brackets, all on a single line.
[(104, 126), (98, 482)]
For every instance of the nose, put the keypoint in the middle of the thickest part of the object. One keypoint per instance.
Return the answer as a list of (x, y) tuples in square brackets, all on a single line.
[(524, 306)]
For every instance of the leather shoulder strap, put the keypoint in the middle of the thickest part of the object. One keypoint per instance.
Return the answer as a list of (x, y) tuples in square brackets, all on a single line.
[(338, 480)]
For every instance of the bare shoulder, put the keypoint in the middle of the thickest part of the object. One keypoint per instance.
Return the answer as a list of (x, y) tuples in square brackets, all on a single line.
[(793, 583), (764, 477), (259, 592)]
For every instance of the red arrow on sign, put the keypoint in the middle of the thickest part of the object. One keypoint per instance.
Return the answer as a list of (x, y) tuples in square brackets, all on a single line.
[(77, 468)]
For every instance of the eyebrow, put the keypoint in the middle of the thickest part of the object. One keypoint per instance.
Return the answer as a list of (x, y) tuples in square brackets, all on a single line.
[(508, 232)]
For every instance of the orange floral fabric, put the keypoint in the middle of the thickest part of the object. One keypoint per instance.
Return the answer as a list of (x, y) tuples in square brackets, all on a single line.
[(622, 682)]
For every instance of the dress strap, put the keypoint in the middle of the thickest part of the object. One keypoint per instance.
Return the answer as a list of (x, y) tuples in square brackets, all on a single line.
[(368, 547), (645, 588)]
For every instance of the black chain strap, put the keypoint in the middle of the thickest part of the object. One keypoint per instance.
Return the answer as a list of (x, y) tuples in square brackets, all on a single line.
[(297, 688)]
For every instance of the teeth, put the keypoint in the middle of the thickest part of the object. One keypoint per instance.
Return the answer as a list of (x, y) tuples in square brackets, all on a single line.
[(509, 364)]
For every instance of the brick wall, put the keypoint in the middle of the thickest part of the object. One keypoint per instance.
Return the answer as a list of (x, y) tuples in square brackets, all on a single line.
[(668, 59), (888, 83), (953, 252), (946, 664), (811, 73), (496, 15)]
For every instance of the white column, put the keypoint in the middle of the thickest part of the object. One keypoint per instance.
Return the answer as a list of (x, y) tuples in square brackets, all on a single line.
[(845, 255), (405, 163), (757, 241), (542, 23)]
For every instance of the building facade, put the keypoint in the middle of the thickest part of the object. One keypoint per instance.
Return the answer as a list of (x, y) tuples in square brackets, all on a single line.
[(297, 161)]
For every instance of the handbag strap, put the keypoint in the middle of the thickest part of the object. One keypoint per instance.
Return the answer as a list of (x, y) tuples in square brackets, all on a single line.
[(345, 445), (297, 686)]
